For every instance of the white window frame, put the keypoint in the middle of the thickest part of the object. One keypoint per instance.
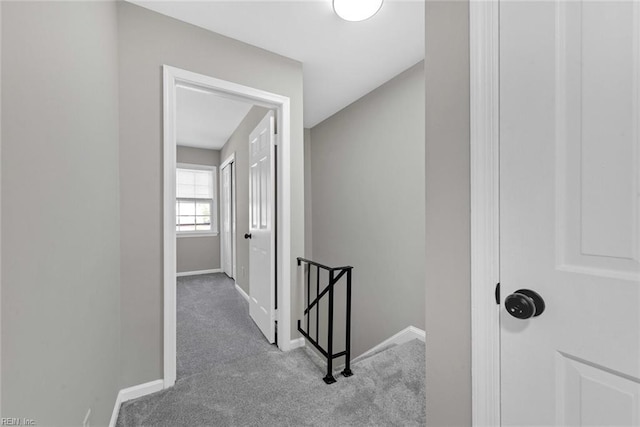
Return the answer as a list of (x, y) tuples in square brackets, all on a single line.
[(214, 202)]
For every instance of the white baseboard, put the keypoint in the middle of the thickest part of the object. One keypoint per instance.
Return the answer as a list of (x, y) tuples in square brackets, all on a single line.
[(133, 393), (405, 335), (297, 343), (242, 292), (195, 273)]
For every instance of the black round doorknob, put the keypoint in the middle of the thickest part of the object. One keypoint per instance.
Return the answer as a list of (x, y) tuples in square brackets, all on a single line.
[(524, 304), (247, 235)]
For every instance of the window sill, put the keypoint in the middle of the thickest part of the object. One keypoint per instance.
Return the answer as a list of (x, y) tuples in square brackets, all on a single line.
[(197, 234)]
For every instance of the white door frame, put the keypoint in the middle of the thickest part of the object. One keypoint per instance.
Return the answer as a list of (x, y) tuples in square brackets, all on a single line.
[(485, 210), (230, 160), (1, 413), (172, 78)]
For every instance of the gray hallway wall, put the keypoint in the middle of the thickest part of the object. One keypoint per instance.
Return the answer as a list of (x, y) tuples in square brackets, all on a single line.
[(147, 40), (308, 197), (367, 188), (60, 212), (448, 261), (202, 252)]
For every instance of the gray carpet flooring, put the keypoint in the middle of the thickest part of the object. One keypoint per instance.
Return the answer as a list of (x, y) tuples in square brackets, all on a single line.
[(238, 382), (213, 324)]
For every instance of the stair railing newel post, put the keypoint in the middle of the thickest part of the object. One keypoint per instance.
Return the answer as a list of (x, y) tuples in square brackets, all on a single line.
[(329, 378), (317, 306), (347, 361), (308, 291), (330, 290)]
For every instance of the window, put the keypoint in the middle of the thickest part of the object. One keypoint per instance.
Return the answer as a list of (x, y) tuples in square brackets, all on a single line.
[(196, 200)]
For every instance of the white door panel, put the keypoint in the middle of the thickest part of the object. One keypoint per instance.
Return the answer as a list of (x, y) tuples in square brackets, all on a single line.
[(569, 211), (261, 220), (227, 213)]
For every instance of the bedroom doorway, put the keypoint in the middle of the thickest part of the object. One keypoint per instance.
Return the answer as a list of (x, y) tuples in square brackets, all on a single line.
[(264, 103)]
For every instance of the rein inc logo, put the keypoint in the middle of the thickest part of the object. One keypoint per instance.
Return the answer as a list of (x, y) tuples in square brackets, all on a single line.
[(17, 422)]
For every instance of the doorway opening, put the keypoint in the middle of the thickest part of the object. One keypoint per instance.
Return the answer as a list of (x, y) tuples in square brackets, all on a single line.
[(228, 218), (189, 213)]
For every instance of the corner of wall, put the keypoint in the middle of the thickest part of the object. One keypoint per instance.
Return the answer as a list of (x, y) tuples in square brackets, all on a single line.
[(308, 198), (447, 188)]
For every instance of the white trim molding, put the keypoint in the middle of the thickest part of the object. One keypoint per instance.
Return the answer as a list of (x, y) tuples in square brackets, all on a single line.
[(188, 234), (1, 413), (169, 235), (172, 79), (284, 235), (230, 159), (242, 293), (198, 272), (297, 343), (131, 393), (407, 334), (485, 209)]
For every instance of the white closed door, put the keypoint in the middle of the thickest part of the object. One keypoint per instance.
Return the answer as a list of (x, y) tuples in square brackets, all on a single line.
[(227, 213), (261, 226), (569, 212)]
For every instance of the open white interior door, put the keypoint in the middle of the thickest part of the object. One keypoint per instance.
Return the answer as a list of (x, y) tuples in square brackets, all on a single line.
[(569, 182), (261, 230), (227, 213)]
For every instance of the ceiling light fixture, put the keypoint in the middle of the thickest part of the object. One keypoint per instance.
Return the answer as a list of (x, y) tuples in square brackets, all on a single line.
[(356, 10)]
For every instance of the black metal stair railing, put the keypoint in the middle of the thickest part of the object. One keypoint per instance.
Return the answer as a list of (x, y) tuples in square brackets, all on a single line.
[(335, 274)]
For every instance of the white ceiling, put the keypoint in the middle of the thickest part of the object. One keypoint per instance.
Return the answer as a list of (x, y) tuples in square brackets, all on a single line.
[(204, 120), (342, 60)]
